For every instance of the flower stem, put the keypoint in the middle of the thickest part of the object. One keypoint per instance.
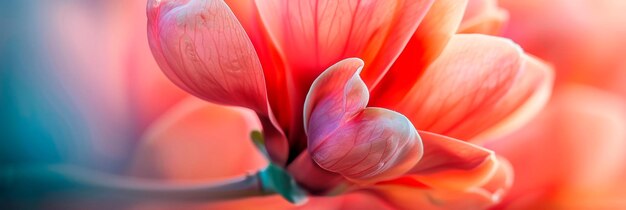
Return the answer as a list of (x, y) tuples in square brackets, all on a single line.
[(44, 179)]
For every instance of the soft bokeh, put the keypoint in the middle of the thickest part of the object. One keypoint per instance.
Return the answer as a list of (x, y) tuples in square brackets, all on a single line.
[(82, 72), (583, 39), (578, 141), (78, 84)]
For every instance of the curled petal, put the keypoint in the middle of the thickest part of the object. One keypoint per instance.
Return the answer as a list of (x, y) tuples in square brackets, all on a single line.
[(461, 93), (202, 47), (453, 164), (362, 144)]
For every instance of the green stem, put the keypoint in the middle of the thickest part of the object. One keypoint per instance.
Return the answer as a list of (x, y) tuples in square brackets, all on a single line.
[(28, 180)]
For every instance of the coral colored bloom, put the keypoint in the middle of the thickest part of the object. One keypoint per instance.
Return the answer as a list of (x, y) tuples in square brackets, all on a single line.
[(379, 96)]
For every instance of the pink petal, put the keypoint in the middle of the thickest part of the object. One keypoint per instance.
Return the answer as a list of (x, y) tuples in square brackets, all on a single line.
[(483, 16), (453, 164), (345, 137), (313, 35), (202, 47), (465, 86), (428, 41), (199, 141), (276, 81), (303, 168)]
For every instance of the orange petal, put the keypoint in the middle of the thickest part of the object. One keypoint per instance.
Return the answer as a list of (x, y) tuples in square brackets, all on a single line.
[(404, 194), (428, 41), (202, 47), (453, 164), (360, 143), (409, 16), (403, 197), (313, 35), (464, 86), (526, 98), (484, 17), (198, 141)]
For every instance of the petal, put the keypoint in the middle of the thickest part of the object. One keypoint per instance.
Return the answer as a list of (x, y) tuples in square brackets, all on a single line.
[(501, 181), (527, 97), (453, 164), (405, 195), (363, 144), (312, 35), (202, 47), (483, 16), (428, 41), (198, 141), (463, 87), (273, 68), (304, 167), (409, 16)]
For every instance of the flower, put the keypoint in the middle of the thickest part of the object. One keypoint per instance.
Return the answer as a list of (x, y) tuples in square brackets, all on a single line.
[(381, 96)]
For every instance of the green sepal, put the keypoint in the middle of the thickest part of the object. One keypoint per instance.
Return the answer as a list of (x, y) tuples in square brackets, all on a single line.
[(275, 178), (259, 142)]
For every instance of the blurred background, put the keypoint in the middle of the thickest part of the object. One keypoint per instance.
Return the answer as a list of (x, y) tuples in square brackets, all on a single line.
[(78, 85)]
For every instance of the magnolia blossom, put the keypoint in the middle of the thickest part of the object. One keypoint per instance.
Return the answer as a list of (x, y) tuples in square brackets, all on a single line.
[(380, 101)]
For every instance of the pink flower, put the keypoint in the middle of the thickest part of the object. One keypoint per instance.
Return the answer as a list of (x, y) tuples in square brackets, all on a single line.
[(381, 96)]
